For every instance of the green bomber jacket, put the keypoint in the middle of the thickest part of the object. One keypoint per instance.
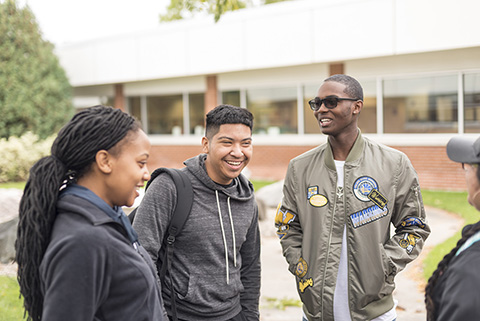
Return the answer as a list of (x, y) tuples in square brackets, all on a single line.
[(381, 190)]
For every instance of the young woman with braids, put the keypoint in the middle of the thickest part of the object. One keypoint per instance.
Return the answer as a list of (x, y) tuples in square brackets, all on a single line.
[(78, 256), (452, 292)]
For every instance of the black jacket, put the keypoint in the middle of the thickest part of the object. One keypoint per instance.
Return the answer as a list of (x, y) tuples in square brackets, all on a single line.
[(456, 295), (91, 271)]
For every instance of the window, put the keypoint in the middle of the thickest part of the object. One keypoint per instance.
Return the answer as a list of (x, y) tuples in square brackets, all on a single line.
[(472, 103), (274, 110), (135, 107), (421, 105), (231, 98), (367, 122), (310, 122), (197, 113), (165, 114)]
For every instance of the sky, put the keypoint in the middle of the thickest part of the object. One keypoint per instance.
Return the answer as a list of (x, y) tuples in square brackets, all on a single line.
[(70, 21)]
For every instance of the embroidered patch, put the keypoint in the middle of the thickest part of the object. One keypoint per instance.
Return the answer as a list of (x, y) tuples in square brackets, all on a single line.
[(413, 221), (312, 190), (282, 220), (368, 215), (303, 284), (301, 268), (363, 186), (318, 200), (376, 197), (408, 242), (314, 198)]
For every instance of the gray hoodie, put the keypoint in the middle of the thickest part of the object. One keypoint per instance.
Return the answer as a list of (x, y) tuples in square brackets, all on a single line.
[(216, 257)]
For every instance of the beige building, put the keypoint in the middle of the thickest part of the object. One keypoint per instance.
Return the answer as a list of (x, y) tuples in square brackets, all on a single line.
[(418, 62)]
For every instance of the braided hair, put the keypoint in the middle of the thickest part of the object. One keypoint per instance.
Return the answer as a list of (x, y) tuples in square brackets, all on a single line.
[(72, 153), (468, 231)]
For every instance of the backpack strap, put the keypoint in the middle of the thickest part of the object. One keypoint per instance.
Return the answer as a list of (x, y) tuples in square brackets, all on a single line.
[(181, 211), (180, 215)]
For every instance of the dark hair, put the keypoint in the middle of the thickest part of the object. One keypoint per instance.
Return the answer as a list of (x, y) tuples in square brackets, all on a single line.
[(226, 114), (353, 88), (72, 153), (468, 231)]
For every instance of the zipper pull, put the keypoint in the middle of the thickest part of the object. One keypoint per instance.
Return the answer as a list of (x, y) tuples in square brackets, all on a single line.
[(339, 192)]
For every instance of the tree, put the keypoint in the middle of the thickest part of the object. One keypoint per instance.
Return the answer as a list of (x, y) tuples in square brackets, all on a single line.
[(180, 9), (35, 94)]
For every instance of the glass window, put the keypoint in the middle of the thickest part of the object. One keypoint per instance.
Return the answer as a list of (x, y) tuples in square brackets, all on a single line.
[(421, 105), (135, 107), (231, 98), (310, 122), (165, 114), (472, 103), (367, 122), (274, 109), (197, 113)]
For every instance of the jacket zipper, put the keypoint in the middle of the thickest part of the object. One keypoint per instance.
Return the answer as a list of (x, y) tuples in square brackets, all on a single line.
[(417, 200), (338, 194)]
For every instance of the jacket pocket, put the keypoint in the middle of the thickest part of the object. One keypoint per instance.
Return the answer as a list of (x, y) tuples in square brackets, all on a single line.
[(389, 271)]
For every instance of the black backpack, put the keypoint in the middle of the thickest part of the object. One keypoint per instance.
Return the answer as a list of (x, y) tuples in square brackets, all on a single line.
[(180, 215)]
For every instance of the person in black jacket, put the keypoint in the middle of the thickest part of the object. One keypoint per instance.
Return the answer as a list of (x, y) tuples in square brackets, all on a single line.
[(452, 290), (78, 256)]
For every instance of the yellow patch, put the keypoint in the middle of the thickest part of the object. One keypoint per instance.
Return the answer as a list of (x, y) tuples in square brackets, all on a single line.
[(318, 200), (282, 221), (303, 284)]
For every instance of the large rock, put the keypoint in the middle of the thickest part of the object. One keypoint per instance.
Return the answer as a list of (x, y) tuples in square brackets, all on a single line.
[(268, 197), (9, 202)]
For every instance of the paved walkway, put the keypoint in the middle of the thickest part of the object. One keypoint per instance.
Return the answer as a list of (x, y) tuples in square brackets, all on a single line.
[(278, 283)]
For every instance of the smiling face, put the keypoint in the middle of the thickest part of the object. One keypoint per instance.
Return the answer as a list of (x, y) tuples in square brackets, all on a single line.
[(128, 169), (341, 119), (228, 152)]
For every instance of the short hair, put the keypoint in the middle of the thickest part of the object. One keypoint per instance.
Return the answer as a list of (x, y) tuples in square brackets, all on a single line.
[(226, 114), (353, 88)]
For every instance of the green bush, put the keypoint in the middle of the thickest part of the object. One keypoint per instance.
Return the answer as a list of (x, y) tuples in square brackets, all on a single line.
[(19, 154)]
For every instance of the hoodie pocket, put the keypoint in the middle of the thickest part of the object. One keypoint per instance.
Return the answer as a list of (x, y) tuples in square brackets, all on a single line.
[(212, 290)]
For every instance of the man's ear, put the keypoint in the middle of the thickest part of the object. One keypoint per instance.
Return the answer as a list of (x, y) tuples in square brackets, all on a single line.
[(104, 161), (205, 143), (357, 107)]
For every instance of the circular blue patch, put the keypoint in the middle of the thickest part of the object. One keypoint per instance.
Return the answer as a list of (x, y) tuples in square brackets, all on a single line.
[(363, 186)]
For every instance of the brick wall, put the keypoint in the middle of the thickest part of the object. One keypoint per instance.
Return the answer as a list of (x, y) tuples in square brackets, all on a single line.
[(434, 169)]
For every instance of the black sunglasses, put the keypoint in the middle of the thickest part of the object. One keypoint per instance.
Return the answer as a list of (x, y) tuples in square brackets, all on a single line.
[(329, 102)]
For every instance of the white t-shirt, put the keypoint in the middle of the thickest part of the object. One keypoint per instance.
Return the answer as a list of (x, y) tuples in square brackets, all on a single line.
[(341, 310)]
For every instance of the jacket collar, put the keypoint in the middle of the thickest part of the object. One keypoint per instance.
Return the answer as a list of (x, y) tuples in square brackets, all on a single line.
[(355, 153)]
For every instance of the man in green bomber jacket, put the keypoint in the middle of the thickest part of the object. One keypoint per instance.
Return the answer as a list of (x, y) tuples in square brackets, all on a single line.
[(339, 201)]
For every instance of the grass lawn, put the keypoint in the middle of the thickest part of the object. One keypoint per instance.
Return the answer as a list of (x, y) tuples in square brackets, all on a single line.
[(11, 308), (19, 185), (454, 202)]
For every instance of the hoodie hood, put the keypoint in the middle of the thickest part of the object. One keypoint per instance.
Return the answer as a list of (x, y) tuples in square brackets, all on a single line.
[(240, 190)]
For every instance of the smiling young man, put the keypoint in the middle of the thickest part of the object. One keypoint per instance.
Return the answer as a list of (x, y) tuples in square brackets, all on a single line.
[(339, 202), (216, 260)]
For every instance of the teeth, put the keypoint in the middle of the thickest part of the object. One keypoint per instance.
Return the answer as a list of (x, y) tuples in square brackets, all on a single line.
[(234, 163)]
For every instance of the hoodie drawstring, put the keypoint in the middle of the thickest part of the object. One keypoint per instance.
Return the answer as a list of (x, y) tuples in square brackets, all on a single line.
[(224, 237), (233, 234)]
